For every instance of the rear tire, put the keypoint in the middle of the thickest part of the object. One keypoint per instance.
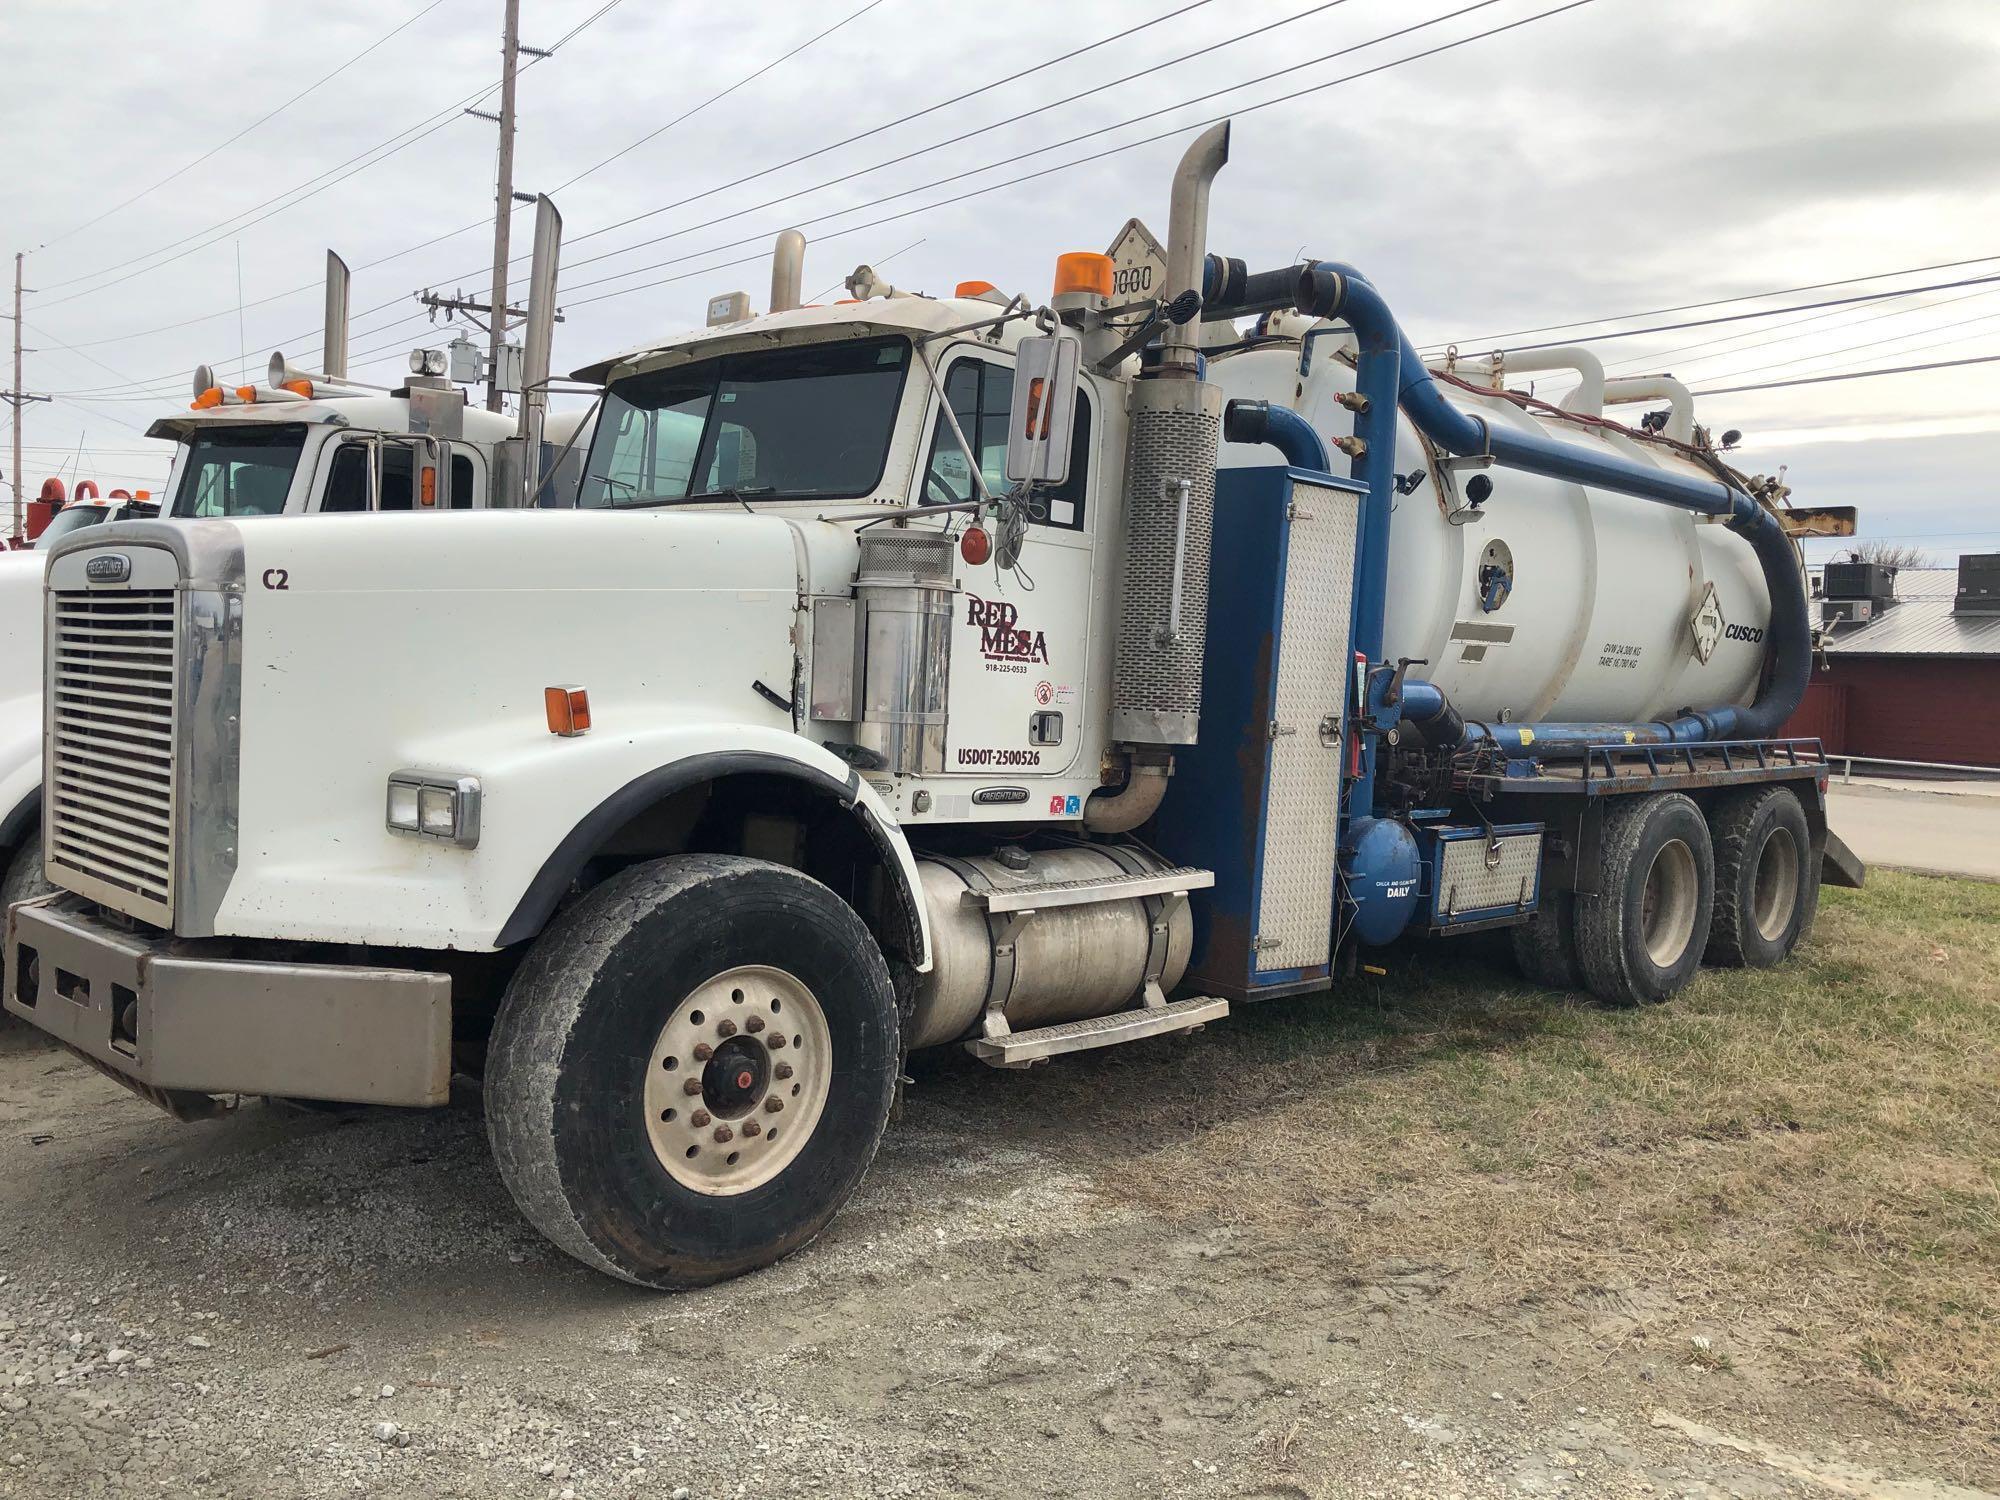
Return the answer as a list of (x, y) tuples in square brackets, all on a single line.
[(1641, 939), (1766, 878), (692, 1069), (1545, 944)]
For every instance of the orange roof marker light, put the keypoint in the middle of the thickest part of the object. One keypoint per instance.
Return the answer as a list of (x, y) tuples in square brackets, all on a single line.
[(568, 710), (973, 289), (246, 393), (208, 398), (301, 387), (1083, 271)]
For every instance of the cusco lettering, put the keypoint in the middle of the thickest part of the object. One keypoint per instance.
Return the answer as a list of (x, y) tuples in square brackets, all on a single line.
[(1750, 633), (1001, 637)]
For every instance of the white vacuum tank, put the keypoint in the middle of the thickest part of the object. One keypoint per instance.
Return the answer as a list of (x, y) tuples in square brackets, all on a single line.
[(1596, 618)]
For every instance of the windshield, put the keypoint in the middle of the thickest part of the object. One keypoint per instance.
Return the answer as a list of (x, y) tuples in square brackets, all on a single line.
[(808, 420), (239, 471), (76, 517)]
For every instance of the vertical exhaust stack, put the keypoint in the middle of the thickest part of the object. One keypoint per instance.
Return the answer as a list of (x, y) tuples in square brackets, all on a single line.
[(1176, 424), (538, 341), (788, 271), (333, 343)]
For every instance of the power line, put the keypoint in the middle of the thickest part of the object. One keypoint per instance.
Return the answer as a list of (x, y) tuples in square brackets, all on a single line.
[(1785, 364), (929, 109), (260, 120), (998, 124), (719, 95), (424, 128), (1166, 134), (1769, 312), (1487, 341), (1657, 358), (479, 223), (1776, 385)]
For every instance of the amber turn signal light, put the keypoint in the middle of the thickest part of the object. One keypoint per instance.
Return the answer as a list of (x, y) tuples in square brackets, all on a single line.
[(568, 708)]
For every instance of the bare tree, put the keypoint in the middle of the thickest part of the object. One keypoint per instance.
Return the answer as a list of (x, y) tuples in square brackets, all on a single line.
[(1894, 555)]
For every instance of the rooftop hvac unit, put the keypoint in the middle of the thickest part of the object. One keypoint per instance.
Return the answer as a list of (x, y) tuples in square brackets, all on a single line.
[(1978, 584), (1846, 611), (1859, 580)]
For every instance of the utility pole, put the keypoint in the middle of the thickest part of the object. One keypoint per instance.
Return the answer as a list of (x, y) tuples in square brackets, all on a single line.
[(503, 202), (18, 398), (504, 199)]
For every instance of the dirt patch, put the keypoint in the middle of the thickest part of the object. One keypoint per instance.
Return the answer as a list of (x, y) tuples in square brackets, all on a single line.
[(1440, 1237)]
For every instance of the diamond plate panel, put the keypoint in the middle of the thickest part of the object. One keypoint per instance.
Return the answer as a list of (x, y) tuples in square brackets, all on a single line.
[(1301, 815), (1466, 882)]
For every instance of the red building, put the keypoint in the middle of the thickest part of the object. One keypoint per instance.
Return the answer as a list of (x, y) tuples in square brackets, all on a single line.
[(1910, 663)]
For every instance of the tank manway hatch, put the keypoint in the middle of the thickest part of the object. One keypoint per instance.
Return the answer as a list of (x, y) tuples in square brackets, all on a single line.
[(1978, 584)]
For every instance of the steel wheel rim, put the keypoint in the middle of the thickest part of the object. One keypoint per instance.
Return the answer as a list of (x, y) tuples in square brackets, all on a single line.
[(738, 1078), (1667, 909), (1774, 894)]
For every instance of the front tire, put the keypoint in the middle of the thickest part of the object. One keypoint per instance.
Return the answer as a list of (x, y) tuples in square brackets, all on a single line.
[(692, 1069), (1640, 940), (24, 880), (1766, 878)]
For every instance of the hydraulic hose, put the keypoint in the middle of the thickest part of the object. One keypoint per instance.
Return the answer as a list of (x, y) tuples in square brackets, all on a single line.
[(1329, 289), (1284, 429)]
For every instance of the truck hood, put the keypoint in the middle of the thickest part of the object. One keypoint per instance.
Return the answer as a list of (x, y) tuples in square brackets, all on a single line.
[(374, 644)]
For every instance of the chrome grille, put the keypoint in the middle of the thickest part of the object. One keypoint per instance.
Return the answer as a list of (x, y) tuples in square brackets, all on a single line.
[(110, 779)]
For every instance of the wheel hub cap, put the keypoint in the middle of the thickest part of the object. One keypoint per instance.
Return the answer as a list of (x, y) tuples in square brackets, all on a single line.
[(737, 1079)]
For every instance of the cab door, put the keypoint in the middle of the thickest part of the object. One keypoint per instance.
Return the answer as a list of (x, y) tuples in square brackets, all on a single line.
[(1021, 637)]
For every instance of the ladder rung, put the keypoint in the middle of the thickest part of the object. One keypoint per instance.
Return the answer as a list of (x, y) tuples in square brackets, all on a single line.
[(1020, 1048)]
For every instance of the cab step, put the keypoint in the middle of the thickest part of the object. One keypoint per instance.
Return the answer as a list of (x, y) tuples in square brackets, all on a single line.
[(1045, 895), (1021, 1049)]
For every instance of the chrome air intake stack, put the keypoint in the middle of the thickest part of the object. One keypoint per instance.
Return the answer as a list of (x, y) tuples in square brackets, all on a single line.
[(1176, 425)]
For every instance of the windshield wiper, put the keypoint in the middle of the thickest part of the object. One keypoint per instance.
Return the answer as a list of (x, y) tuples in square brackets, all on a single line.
[(733, 492)]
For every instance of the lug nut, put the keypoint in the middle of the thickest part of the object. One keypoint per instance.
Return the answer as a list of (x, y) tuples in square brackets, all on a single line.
[(703, 1052), (698, 1119), (726, 1028), (691, 1086), (777, 1040), (773, 1104), (754, 1025), (783, 1070), (723, 1133), (751, 1127)]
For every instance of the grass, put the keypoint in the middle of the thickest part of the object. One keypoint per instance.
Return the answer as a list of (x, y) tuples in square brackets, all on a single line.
[(1810, 1155)]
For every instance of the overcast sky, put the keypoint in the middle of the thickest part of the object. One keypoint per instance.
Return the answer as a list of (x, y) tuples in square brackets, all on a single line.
[(1621, 156)]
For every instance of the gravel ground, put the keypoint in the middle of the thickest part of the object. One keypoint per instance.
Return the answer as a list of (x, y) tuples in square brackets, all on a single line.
[(278, 1304)]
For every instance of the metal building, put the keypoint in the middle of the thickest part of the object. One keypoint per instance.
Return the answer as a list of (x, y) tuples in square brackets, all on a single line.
[(1910, 663)]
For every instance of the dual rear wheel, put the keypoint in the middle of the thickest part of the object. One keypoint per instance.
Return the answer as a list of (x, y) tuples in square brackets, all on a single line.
[(1738, 887)]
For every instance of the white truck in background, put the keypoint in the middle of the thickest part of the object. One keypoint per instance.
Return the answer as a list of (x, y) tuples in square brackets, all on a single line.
[(298, 443), (914, 671)]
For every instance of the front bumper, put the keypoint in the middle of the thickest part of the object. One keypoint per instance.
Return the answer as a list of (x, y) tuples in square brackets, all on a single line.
[(177, 1026)]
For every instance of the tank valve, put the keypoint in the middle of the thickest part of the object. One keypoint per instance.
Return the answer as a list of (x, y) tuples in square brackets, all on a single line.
[(1352, 400), (1353, 447)]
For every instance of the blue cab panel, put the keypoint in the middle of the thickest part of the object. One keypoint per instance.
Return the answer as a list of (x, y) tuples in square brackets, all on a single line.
[(1257, 798)]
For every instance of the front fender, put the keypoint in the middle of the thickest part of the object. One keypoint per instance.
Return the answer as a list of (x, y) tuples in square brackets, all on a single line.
[(546, 802), (762, 750)]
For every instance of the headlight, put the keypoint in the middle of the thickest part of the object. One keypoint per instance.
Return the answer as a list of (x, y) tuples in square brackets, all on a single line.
[(435, 807)]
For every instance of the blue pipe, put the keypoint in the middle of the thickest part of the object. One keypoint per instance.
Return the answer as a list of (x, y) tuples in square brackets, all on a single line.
[(1284, 429), (1329, 289)]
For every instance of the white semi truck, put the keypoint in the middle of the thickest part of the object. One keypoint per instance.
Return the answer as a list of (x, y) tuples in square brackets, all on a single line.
[(298, 443), (912, 672)]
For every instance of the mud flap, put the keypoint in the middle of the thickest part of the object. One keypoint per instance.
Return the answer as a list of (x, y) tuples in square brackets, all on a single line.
[(1839, 864)]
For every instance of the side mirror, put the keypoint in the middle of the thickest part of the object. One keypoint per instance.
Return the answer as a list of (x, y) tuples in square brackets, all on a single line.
[(1043, 412)]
